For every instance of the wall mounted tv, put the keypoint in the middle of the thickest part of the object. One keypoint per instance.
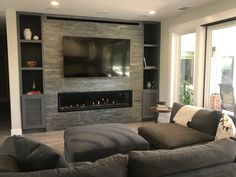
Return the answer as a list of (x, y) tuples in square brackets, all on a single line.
[(95, 57)]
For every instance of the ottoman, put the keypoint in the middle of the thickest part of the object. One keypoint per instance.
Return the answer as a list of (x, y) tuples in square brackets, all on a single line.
[(92, 142)]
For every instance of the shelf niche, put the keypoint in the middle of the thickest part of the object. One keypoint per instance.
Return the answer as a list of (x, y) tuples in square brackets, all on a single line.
[(151, 68)]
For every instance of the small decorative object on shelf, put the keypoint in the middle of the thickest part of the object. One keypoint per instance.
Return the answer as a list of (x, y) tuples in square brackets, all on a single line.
[(154, 84), (144, 62), (35, 37), (34, 85), (31, 63), (33, 92), (149, 85), (27, 34)]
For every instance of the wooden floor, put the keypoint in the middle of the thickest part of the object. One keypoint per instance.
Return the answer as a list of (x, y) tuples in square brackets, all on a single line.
[(55, 139)]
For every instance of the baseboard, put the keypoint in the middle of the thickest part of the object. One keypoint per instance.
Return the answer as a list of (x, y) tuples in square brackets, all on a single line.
[(16, 131)]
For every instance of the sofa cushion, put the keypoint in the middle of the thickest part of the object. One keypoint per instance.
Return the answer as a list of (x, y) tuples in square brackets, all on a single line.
[(206, 121), (174, 110), (43, 158), (92, 142), (7, 156), (24, 147), (159, 163), (170, 136), (226, 170), (22, 154), (113, 166), (8, 164)]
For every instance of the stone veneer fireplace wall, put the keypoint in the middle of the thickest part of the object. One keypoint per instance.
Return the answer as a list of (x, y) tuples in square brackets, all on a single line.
[(54, 81)]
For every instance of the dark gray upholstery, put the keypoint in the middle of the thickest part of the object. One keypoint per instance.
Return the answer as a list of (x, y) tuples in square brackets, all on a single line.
[(114, 166), (21, 154), (206, 121), (92, 142), (226, 170), (159, 163), (174, 110), (170, 136)]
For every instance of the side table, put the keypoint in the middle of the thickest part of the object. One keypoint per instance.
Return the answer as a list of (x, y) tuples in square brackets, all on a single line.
[(156, 111)]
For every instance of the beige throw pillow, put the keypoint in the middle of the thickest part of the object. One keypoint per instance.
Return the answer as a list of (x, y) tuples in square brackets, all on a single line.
[(185, 114)]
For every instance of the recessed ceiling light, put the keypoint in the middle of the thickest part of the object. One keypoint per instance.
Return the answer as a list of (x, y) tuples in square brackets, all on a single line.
[(54, 3), (151, 12)]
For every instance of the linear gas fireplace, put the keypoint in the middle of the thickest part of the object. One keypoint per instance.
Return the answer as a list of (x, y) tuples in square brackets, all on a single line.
[(79, 101)]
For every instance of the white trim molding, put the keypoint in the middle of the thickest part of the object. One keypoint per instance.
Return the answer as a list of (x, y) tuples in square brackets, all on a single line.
[(16, 132)]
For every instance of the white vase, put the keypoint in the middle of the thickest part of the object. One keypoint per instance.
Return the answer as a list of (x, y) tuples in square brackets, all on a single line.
[(149, 85), (27, 34)]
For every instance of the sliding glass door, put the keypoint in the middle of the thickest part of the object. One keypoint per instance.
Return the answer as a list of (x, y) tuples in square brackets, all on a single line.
[(220, 85)]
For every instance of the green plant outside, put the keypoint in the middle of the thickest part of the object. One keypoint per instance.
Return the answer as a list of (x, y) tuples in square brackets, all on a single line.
[(186, 93)]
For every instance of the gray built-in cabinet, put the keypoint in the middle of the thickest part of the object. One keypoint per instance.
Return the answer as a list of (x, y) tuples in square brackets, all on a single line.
[(31, 70), (151, 63), (32, 79)]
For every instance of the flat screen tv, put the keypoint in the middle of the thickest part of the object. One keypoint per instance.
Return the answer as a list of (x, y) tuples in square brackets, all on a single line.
[(95, 57)]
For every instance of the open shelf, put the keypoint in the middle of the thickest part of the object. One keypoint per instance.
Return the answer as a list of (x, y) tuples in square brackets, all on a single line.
[(31, 69), (151, 67), (33, 22), (28, 77)]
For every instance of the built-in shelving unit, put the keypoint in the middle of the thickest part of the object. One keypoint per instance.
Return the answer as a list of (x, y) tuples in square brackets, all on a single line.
[(151, 64), (31, 71)]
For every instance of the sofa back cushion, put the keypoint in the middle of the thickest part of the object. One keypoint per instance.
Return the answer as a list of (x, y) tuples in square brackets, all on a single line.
[(204, 120), (174, 110), (22, 154), (7, 156), (8, 164), (159, 163), (44, 157), (113, 166)]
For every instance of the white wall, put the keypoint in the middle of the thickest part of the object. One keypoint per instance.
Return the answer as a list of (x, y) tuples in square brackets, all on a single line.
[(190, 20), (14, 78)]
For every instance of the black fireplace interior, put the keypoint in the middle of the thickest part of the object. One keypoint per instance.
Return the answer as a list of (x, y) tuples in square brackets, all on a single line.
[(79, 101)]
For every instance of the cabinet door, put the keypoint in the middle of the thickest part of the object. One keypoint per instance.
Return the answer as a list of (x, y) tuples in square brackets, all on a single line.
[(150, 98), (33, 112)]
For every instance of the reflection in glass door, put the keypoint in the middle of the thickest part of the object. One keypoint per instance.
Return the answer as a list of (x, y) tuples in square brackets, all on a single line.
[(220, 84)]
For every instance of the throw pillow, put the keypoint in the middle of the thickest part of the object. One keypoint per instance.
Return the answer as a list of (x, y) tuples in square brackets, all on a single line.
[(43, 158), (8, 164), (185, 114), (206, 121), (226, 128)]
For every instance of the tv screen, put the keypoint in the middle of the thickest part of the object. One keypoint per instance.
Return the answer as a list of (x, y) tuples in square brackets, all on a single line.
[(95, 57)]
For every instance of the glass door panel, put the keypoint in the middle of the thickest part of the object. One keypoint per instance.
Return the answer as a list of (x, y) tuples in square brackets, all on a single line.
[(186, 68), (220, 69)]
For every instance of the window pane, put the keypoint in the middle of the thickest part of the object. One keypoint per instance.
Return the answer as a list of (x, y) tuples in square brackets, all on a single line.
[(222, 69), (186, 68)]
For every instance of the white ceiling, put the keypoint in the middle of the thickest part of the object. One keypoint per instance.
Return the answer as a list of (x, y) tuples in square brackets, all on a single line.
[(117, 9)]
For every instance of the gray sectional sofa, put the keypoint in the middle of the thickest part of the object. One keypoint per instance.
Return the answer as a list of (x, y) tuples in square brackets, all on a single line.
[(214, 159), (201, 129)]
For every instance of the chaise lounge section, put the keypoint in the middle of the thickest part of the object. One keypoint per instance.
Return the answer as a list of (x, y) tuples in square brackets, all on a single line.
[(201, 129)]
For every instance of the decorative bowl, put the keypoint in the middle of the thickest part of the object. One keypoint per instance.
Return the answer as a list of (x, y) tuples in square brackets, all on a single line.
[(31, 63)]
